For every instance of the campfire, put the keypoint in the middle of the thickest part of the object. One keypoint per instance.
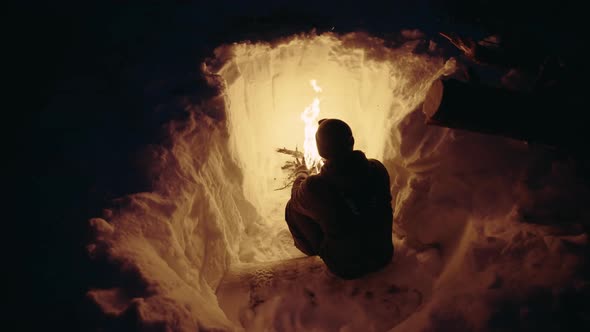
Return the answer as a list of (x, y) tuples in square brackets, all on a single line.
[(310, 117), (310, 155)]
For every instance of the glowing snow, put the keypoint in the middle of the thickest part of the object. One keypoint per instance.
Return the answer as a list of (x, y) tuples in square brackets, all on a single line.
[(268, 87), (213, 228)]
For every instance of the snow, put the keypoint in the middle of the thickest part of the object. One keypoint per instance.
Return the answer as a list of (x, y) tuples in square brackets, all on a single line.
[(301, 295), (209, 248)]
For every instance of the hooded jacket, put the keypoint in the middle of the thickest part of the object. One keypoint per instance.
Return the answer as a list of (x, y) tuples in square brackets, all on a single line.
[(350, 200)]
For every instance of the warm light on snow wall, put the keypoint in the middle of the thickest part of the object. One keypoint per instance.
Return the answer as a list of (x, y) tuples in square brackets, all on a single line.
[(214, 202), (268, 87)]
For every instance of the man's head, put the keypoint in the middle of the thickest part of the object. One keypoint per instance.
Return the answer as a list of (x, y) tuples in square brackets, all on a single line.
[(334, 138)]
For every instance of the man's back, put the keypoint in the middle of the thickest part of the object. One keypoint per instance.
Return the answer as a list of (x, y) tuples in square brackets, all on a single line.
[(350, 200)]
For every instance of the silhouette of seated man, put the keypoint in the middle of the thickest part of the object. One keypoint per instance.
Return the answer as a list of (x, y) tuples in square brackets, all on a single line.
[(343, 214)]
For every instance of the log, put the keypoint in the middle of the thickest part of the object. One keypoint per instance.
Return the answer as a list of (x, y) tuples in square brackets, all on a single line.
[(543, 118)]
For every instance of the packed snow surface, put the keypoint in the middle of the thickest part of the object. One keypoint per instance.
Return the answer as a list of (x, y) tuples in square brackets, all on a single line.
[(209, 248)]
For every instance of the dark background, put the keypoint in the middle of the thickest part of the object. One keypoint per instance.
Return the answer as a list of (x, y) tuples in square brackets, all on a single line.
[(100, 78)]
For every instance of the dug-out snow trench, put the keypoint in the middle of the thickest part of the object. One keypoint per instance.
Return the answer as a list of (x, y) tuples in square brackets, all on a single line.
[(267, 88), (209, 248), (215, 205)]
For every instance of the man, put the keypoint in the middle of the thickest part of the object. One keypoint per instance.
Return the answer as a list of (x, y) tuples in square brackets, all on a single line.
[(343, 214)]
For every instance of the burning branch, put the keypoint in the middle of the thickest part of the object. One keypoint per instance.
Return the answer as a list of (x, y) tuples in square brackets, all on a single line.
[(295, 153)]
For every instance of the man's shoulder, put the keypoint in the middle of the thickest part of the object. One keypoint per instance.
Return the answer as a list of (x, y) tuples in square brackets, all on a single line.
[(315, 180), (316, 183), (376, 164), (378, 167)]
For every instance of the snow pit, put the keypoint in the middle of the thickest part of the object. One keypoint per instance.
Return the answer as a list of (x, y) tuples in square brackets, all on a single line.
[(267, 88), (209, 249)]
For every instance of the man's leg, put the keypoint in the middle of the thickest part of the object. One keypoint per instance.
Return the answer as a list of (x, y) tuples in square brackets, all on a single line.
[(306, 233)]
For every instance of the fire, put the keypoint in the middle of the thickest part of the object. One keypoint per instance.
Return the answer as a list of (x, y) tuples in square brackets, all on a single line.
[(310, 117)]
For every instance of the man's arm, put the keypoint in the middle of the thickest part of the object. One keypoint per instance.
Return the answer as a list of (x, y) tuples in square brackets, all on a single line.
[(384, 186), (306, 232), (302, 194), (301, 174)]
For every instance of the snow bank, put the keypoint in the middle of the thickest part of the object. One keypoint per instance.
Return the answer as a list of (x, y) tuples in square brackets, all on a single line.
[(173, 245), (215, 223), (464, 259)]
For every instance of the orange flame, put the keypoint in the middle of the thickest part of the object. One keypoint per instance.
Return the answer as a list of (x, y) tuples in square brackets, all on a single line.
[(309, 117)]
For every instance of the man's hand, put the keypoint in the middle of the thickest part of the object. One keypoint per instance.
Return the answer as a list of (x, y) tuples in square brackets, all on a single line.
[(300, 167), (296, 168)]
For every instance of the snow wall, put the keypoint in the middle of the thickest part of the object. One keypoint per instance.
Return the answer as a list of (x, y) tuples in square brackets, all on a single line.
[(216, 206)]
